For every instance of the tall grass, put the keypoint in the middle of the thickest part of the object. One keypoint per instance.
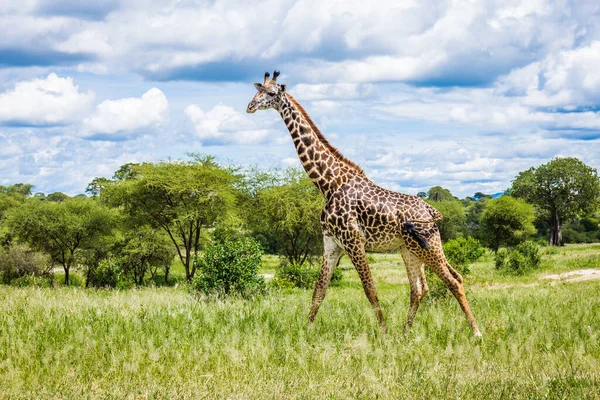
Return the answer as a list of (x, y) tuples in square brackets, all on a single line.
[(539, 341)]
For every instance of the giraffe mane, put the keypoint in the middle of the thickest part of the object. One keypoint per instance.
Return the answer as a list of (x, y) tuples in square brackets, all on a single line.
[(336, 153)]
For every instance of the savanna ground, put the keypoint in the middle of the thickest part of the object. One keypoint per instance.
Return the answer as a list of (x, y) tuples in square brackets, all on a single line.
[(541, 340)]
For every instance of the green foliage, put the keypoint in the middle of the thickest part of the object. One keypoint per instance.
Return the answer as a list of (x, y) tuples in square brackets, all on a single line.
[(452, 225), (560, 189), (230, 267), (61, 230), (143, 252), (108, 274), (20, 261), (462, 252), (284, 216), (179, 197), (438, 193), (507, 221), (520, 259), (44, 281), (301, 276)]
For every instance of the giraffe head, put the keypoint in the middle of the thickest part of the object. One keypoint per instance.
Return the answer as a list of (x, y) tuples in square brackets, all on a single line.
[(269, 94)]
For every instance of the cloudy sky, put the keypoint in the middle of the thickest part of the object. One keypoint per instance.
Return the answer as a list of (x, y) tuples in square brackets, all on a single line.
[(462, 94)]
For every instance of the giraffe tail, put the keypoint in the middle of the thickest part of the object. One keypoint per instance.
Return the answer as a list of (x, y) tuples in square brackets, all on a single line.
[(410, 229)]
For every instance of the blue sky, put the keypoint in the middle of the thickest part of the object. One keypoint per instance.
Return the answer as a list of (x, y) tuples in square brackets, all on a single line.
[(462, 94)]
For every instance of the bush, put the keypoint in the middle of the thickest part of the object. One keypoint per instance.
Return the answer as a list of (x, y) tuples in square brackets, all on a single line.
[(519, 259), (303, 276), (44, 281), (106, 275), (19, 261), (461, 252), (228, 267)]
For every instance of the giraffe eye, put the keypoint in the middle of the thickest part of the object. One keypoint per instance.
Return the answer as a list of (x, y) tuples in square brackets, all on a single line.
[(271, 93)]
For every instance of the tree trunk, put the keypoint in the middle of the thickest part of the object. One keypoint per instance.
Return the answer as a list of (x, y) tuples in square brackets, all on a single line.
[(66, 268), (556, 231), (167, 269)]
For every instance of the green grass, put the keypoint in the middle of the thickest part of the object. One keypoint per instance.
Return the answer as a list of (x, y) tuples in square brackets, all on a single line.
[(540, 341)]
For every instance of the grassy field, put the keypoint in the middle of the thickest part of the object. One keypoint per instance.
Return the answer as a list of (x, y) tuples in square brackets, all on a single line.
[(541, 340)]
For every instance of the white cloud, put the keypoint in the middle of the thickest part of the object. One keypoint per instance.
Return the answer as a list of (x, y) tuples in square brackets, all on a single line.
[(129, 114), (567, 79), (334, 91), (223, 124), (50, 101)]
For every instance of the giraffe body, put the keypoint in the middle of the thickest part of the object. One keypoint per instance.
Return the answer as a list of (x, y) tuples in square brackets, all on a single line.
[(360, 215)]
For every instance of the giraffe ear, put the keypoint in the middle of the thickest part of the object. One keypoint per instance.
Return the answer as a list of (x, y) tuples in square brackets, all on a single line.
[(282, 87), (257, 85)]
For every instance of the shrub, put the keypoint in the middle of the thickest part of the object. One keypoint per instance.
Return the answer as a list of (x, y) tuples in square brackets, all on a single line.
[(301, 276), (106, 275), (519, 259), (461, 252), (45, 281), (18, 261), (228, 267)]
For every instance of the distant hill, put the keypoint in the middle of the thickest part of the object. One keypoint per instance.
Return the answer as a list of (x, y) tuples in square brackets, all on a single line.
[(496, 195)]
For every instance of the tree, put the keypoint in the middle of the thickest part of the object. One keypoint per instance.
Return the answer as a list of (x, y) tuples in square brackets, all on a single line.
[(57, 197), (481, 195), (560, 189), (453, 223), (179, 197), (285, 217), (422, 195), (438, 193), (507, 221), (145, 250), (61, 230)]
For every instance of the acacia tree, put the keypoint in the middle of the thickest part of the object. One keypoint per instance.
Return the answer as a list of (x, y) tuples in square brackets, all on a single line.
[(506, 221), (61, 230), (284, 215), (179, 197), (145, 250), (560, 189), (438, 193)]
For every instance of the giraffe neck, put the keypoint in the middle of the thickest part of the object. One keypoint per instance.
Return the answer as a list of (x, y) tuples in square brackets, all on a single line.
[(323, 163)]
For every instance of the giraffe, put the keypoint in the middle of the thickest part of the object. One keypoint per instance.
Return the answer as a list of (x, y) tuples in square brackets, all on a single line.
[(360, 215)]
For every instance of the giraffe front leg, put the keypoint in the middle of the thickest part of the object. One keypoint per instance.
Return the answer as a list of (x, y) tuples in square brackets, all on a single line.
[(331, 257), (354, 244)]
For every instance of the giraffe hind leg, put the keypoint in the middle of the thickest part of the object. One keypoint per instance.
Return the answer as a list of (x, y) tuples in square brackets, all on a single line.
[(454, 281), (418, 284)]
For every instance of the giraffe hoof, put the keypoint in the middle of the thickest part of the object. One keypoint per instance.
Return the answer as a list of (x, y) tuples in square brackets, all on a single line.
[(478, 334)]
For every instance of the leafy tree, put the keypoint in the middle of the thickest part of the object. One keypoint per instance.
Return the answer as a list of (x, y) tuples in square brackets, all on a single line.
[(422, 195), (474, 212), (452, 225), (179, 197), (22, 189), (481, 195), (145, 251), (285, 217), (507, 221), (560, 189), (57, 197), (61, 230), (438, 193)]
